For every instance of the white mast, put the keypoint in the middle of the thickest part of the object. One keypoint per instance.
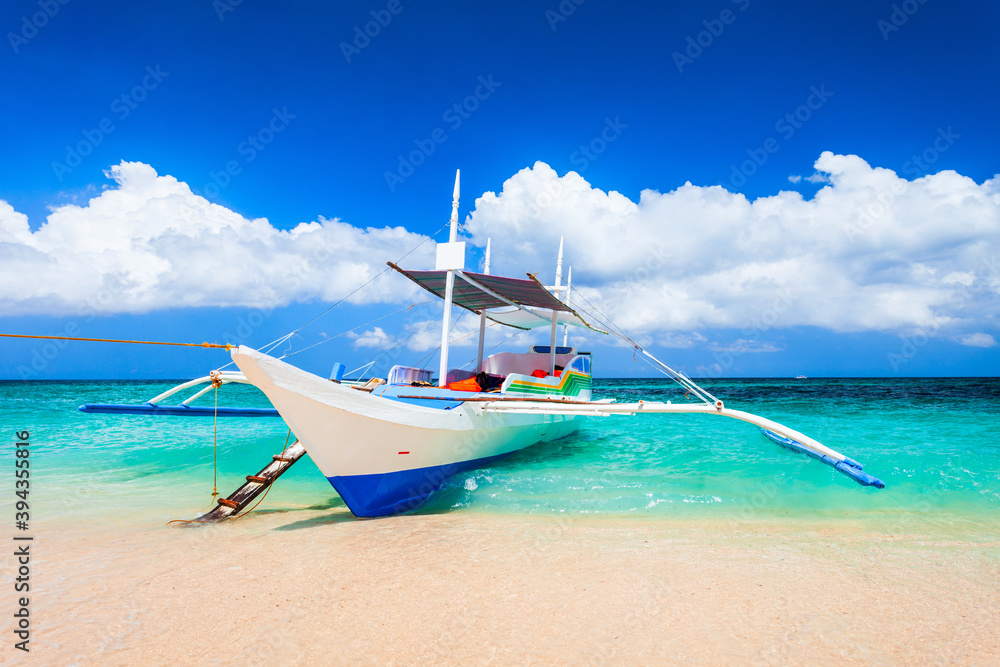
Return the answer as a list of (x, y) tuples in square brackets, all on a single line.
[(445, 260), (569, 285), (482, 313), (555, 313)]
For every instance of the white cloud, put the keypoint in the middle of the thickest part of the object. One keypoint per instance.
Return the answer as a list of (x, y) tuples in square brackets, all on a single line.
[(870, 251), (794, 179), (376, 338), (977, 340), (464, 331), (743, 346), (150, 243), (680, 340), (818, 177)]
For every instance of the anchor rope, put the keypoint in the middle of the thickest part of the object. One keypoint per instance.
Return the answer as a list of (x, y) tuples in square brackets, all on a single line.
[(266, 491), (270, 484), (215, 441), (223, 346)]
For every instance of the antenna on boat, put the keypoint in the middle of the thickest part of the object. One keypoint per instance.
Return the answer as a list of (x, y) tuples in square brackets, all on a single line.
[(555, 313), (569, 285), (450, 256), (482, 313)]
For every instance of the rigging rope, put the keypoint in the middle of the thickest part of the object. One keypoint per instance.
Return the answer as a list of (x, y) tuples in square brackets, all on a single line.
[(344, 333), (680, 378), (415, 332), (371, 280), (513, 261), (361, 368), (476, 358), (427, 357)]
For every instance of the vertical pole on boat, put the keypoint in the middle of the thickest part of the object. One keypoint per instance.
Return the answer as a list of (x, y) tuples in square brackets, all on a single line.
[(449, 290), (555, 313), (482, 313), (569, 286)]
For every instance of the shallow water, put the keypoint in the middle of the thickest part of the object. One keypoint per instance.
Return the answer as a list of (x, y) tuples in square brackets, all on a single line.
[(930, 439)]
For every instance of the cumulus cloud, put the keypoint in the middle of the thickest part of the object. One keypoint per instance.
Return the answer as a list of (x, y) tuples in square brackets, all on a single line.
[(376, 338), (464, 331), (743, 346), (681, 340), (794, 179), (871, 251), (977, 340), (150, 243)]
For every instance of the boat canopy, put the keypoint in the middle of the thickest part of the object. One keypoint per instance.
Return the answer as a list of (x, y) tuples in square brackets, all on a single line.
[(527, 318), (519, 298)]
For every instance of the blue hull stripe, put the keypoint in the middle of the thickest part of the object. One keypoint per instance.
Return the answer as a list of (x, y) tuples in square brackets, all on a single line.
[(393, 492)]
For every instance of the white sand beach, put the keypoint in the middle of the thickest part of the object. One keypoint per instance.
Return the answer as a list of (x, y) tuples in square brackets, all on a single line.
[(321, 587)]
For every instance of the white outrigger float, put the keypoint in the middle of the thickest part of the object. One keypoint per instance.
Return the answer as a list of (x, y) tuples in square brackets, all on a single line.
[(386, 446)]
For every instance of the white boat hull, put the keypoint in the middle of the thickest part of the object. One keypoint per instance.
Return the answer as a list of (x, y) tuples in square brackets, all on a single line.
[(386, 456)]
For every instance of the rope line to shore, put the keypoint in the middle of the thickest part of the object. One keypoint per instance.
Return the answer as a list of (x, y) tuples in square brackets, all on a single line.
[(223, 346)]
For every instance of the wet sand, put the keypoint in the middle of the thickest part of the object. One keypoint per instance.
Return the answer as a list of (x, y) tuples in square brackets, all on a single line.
[(321, 587)]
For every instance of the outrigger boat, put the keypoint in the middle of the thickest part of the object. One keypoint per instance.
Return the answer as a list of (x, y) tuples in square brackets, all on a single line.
[(386, 446)]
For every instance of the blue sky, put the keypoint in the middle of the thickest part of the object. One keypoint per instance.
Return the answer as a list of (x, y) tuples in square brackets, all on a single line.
[(312, 122)]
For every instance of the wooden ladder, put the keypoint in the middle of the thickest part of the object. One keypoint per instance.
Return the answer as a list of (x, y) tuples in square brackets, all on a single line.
[(255, 484)]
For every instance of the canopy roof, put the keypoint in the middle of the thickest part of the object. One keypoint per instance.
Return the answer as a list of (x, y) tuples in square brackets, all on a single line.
[(527, 318), (479, 291)]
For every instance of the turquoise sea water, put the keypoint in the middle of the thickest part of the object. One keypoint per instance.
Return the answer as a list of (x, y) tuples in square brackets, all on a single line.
[(931, 440)]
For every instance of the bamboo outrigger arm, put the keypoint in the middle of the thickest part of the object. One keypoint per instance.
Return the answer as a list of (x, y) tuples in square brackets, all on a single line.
[(184, 408), (778, 433)]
